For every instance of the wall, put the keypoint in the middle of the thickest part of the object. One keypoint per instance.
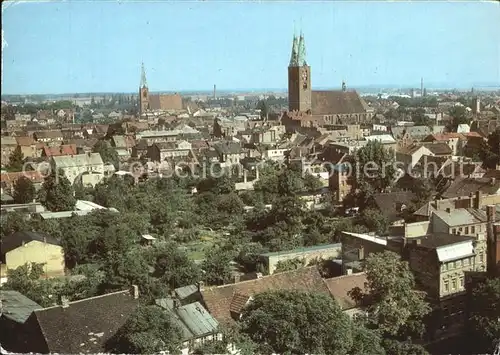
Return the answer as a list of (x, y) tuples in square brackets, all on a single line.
[(490, 199), (417, 229), (38, 252), (332, 252)]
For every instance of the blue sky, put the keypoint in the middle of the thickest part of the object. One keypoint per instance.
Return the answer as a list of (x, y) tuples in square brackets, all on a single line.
[(90, 46)]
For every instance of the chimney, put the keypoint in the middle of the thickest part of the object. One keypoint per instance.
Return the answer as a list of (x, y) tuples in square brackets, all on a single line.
[(471, 200), (135, 291), (259, 275), (361, 253), (477, 202), (236, 278), (177, 303), (201, 286), (491, 213), (64, 301), (493, 181)]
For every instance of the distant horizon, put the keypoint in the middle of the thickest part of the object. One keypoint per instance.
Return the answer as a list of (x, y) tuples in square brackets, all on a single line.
[(484, 87)]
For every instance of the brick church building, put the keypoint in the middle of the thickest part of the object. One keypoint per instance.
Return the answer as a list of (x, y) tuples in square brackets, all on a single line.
[(309, 108), (156, 102)]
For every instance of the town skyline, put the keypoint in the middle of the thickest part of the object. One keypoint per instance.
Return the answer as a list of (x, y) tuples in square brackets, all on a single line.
[(374, 44)]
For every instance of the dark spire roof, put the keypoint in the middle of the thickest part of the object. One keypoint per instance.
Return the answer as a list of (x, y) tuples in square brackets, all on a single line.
[(301, 57), (144, 83)]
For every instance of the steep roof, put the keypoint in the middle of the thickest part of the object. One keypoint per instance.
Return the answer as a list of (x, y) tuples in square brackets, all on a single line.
[(6, 141), (341, 286), (65, 149), (49, 134), (466, 186), (439, 148), (17, 239), (78, 160), (25, 141), (16, 306), (218, 300), (86, 325), (337, 102)]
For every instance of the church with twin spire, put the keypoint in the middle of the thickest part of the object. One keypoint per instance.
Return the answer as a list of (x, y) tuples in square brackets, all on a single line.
[(313, 108)]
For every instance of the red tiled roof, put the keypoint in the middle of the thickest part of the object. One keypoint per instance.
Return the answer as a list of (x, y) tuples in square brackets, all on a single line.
[(65, 149), (10, 178), (238, 302), (341, 286), (219, 299), (337, 102), (444, 136)]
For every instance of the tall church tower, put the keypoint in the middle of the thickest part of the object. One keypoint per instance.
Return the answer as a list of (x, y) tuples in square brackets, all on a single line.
[(143, 93), (299, 77)]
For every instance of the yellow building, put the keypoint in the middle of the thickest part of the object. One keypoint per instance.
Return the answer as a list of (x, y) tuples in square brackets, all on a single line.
[(31, 247)]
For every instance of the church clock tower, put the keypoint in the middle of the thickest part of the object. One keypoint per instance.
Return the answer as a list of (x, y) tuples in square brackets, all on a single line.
[(299, 77), (143, 93)]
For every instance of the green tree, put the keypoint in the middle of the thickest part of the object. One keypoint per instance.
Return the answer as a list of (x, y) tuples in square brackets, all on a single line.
[(56, 193), (216, 266), (148, 331), (459, 116), (24, 190), (173, 267), (16, 160), (419, 118), (396, 347), (298, 323), (485, 312), (375, 221), (393, 304), (107, 152), (490, 150), (289, 265), (372, 170), (26, 279), (264, 109)]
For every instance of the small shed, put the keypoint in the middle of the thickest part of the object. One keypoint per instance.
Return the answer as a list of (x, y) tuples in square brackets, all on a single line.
[(147, 239)]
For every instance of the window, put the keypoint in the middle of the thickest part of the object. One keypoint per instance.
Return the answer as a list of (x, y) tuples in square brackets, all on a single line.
[(454, 231), (454, 284), (446, 286), (466, 230), (459, 263), (466, 261), (481, 257), (461, 282), (473, 230)]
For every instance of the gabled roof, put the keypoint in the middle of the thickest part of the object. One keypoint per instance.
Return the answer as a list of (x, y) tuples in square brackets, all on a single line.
[(16, 306), (10, 178), (65, 149), (439, 148), (25, 141), (78, 160), (337, 102), (341, 286), (18, 239), (6, 141), (218, 299), (49, 134), (86, 325), (466, 186)]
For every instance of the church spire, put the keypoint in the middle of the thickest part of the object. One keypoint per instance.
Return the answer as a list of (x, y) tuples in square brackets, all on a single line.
[(295, 51), (301, 50), (144, 83)]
